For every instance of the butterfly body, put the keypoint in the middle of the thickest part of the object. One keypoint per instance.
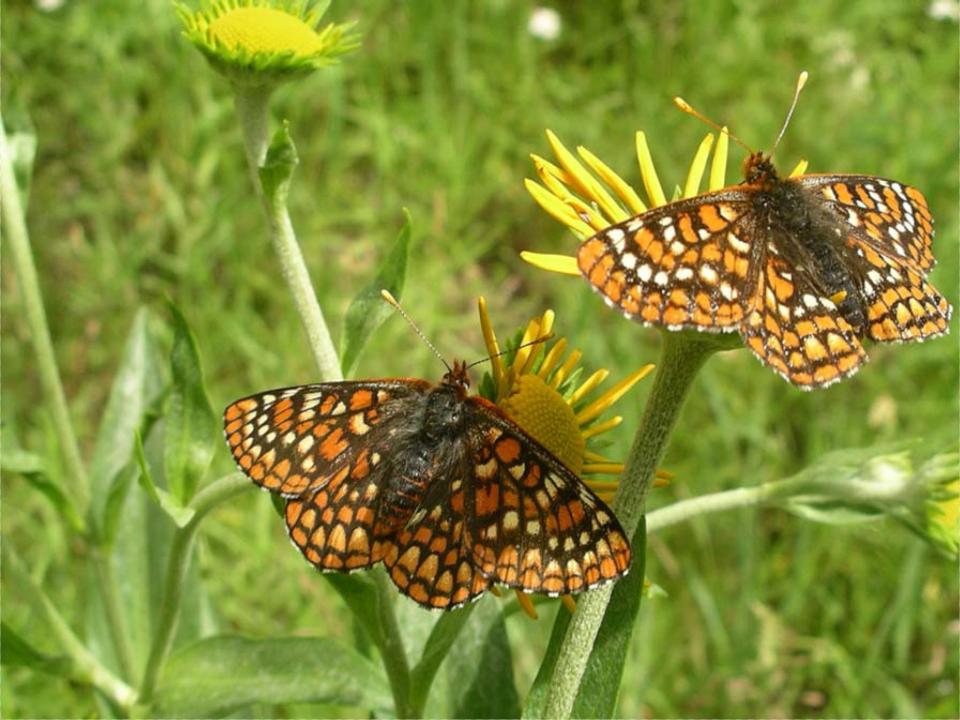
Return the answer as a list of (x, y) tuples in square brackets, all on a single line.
[(440, 486), (802, 267)]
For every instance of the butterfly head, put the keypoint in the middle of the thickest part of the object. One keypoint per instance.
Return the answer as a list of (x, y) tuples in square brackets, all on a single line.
[(758, 169), (457, 376)]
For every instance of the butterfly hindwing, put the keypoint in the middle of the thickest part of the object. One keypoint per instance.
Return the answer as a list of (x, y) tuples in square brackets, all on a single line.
[(533, 524)]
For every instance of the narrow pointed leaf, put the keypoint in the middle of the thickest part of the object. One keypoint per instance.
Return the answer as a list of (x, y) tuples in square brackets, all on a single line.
[(368, 309), (191, 429)]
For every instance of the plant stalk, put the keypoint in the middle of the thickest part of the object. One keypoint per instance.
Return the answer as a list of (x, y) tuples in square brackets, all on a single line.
[(177, 563), (681, 357), (86, 667), (18, 239), (252, 110)]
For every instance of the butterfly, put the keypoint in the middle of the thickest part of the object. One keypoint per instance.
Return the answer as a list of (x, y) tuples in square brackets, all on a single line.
[(804, 267), (441, 487)]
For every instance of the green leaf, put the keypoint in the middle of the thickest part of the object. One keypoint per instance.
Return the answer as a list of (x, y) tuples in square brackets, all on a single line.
[(137, 386), (480, 667), (15, 650), (442, 636), (368, 310), (191, 429), (278, 166), (600, 685), (222, 674), (179, 513), (33, 469)]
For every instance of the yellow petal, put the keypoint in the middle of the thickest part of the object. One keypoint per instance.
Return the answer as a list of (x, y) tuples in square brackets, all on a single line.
[(553, 356), (800, 168), (584, 182), (617, 183), (699, 164), (649, 173), (563, 264), (602, 427), (490, 339), (589, 384), (526, 604), (612, 395), (718, 168), (569, 602), (558, 209)]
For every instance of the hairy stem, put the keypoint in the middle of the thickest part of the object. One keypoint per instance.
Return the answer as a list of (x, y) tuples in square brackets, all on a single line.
[(681, 357), (252, 110), (86, 667), (177, 563)]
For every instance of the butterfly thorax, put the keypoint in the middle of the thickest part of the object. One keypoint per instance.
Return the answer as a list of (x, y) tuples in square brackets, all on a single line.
[(807, 236)]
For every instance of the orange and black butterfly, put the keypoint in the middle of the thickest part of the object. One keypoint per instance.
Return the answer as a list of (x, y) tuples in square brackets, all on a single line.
[(442, 487), (804, 267)]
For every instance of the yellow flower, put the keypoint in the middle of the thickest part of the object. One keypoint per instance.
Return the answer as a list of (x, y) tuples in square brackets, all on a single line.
[(259, 42), (589, 196), (542, 390)]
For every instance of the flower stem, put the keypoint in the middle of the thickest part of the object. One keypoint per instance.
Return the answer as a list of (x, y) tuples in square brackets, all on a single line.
[(177, 563), (86, 667), (681, 357), (15, 230), (252, 110), (113, 609)]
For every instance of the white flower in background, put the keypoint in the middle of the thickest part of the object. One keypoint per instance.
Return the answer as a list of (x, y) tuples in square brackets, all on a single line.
[(544, 23), (944, 10)]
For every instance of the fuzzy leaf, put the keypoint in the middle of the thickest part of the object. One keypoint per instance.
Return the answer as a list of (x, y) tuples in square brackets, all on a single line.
[(278, 166), (179, 513), (219, 675), (190, 430), (368, 310), (15, 650)]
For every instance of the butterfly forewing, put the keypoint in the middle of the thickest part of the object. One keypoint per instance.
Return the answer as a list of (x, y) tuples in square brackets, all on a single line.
[(683, 265)]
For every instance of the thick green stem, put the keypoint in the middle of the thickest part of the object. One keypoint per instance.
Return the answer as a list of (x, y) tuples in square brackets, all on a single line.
[(681, 357), (86, 667), (252, 110), (177, 563), (15, 230)]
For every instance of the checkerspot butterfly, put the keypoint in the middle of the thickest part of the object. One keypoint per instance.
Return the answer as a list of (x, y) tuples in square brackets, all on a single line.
[(804, 267), (441, 487)]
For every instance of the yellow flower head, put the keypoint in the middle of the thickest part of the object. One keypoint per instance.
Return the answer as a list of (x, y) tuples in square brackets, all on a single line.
[(259, 42), (540, 387), (587, 196)]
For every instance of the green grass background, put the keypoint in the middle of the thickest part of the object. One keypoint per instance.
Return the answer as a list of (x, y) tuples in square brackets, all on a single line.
[(140, 192)]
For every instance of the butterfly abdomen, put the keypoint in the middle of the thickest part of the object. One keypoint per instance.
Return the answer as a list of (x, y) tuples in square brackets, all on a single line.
[(810, 238)]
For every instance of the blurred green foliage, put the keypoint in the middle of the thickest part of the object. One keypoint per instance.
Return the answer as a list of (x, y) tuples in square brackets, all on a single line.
[(139, 192)]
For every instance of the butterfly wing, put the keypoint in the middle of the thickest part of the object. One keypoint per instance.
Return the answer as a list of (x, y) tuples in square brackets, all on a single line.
[(326, 447), (532, 524), (796, 331), (891, 218), (889, 237), (429, 559), (682, 265)]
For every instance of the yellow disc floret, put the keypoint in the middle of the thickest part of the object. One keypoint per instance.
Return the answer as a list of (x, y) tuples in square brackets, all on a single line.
[(542, 412), (265, 30)]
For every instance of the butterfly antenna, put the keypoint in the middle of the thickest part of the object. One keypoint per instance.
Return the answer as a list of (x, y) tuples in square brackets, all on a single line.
[(690, 110), (391, 300), (535, 341), (801, 81)]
